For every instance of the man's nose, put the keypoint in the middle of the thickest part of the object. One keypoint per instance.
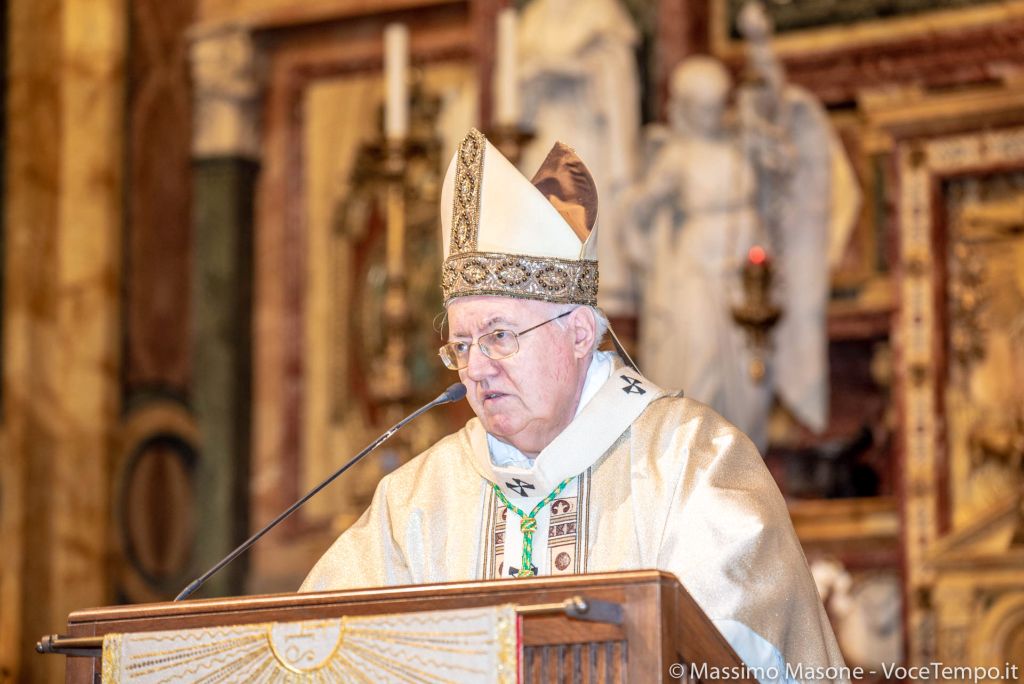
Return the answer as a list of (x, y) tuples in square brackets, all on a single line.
[(480, 365)]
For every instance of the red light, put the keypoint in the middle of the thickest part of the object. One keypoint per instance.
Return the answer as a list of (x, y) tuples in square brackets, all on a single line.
[(757, 256)]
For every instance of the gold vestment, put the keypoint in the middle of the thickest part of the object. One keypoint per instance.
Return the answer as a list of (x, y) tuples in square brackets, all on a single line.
[(669, 484)]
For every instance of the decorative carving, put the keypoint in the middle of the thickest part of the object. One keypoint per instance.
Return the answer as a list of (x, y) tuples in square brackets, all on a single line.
[(998, 639), (986, 332), (838, 63), (946, 534), (918, 155), (919, 373), (1003, 444), (966, 303), (915, 266), (798, 15), (1003, 218), (158, 181), (155, 501), (227, 72)]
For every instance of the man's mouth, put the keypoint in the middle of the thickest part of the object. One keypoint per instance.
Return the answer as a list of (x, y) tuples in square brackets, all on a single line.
[(491, 396)]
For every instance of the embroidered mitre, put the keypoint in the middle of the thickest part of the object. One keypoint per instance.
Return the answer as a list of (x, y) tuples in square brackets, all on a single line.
[(506, 235)]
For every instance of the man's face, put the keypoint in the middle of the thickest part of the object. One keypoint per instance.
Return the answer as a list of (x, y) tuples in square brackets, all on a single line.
[(530, 397)]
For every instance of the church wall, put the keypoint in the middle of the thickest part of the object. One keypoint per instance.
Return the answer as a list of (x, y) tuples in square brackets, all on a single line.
[(61, 355), (284, 12)]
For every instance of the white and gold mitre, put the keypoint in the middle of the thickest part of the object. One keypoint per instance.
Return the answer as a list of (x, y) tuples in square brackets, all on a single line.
[(509, 236)]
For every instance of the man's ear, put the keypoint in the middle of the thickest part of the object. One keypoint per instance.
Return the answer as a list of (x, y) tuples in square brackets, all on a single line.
[(584, 331)]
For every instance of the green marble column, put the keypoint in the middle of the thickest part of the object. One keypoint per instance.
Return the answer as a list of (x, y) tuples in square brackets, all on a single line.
[(225, 171), (222, 395)]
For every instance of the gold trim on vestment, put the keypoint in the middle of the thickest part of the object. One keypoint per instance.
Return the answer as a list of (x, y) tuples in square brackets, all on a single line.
[(494, 556)]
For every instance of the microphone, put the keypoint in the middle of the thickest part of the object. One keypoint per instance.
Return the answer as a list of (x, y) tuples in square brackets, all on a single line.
[(454, 393)]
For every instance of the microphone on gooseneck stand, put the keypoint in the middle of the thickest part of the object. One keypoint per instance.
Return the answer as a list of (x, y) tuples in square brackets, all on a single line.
[(454, 393)]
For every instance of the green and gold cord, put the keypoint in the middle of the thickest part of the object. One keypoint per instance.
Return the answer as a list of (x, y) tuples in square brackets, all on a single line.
[(528, 523)]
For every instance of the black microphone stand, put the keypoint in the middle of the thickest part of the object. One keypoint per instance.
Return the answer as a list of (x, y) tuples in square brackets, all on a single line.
[(453, 393)]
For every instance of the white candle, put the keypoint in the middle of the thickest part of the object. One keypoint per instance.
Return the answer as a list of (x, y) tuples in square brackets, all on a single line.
[(506, 86), (396, 76)]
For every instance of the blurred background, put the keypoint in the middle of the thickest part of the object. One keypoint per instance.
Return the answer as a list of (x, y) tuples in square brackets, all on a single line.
[(220, 261)]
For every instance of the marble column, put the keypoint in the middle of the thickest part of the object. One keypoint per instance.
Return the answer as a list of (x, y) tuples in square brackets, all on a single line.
[(63, 221), (227, 77)]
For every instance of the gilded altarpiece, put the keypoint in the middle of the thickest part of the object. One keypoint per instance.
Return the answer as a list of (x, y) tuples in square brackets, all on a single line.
[(985, 332), (959, 226), (347, 275), (315, 280), (838, 50)]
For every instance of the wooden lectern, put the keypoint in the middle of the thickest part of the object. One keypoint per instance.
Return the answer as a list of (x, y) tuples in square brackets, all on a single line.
[(613, 627)]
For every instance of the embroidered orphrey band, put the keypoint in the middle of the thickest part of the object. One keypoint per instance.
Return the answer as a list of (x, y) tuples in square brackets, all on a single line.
[(562, 281), (469, 174), (568, 534)]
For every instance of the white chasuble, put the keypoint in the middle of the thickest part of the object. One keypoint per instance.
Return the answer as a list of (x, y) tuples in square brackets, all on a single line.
[(660, 481)]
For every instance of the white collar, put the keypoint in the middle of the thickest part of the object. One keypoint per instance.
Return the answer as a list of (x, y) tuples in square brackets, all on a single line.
[(504, 454)]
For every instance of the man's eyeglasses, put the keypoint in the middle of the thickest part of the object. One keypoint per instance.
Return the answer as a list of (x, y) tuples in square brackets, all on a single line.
[(497, 345)]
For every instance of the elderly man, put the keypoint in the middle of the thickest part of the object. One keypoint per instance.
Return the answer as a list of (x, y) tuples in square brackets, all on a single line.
[(575, 462)]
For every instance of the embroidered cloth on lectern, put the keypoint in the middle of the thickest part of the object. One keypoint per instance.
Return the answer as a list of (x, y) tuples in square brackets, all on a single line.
[(469, 645)]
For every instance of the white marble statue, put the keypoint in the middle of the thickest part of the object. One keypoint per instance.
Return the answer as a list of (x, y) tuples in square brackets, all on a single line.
[(692, 221), (580, 85), (808, 200), (771, 173)]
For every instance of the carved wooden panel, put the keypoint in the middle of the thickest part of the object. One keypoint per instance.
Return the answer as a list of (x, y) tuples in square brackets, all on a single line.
[(984, 338), (157, 513), (793, 15), (599, 661), (928, 377), (152, 497), (915, 43), (159, 188)]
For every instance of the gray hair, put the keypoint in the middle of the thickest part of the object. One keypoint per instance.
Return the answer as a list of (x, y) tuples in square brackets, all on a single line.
[(600, 319)]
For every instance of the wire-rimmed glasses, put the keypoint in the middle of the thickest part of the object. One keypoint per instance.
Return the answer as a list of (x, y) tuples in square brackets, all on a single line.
[(496, 345)]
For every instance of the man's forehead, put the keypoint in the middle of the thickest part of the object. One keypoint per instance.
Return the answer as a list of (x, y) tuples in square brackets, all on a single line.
[(468, 313)]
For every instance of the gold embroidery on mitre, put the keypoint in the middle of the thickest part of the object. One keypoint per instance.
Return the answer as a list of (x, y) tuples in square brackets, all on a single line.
[(562, 281), (469, 173)]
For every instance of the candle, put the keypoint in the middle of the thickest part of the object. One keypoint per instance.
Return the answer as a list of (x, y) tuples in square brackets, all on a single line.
[(396, 76), (757, 255), (506, 88)]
